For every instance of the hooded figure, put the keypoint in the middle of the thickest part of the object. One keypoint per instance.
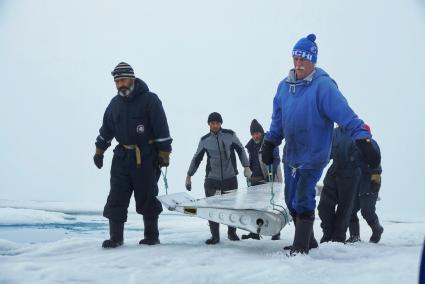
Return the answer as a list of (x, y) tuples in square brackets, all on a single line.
[(306, 106)]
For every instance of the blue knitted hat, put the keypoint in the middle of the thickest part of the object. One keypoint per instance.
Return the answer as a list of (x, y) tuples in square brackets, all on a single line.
[(306, 48)]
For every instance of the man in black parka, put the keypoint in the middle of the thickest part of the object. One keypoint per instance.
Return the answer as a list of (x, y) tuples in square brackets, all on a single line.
[(136, 119), (365, 201), (340, 185)]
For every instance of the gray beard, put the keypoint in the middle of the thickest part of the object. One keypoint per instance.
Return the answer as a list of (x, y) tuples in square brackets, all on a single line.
[(126, 92)]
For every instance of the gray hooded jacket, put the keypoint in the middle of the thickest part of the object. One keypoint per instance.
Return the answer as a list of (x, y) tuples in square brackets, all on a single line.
[(221, 159)]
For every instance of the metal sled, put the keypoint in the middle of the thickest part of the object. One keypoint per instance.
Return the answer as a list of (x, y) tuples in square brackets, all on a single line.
[(258, 209)]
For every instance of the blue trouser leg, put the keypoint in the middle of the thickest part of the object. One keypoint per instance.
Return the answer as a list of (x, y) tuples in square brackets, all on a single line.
[(290, 187), (300, 189)]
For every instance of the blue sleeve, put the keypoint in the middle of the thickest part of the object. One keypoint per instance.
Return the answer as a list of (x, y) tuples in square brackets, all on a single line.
[(276, 159), (275, 134), (334, 106)]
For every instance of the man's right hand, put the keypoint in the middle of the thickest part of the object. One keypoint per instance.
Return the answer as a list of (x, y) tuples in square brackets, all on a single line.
[(98, 158), (188, 183), (267, 152)]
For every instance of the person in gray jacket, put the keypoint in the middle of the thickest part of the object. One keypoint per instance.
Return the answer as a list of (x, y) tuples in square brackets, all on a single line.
[(220, 146)]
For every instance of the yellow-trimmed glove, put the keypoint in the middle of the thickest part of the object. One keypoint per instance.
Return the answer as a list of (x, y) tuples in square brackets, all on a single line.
[(375, 180), (164, 158)]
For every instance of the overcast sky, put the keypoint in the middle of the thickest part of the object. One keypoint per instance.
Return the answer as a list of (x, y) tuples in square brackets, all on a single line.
[(199, 56)]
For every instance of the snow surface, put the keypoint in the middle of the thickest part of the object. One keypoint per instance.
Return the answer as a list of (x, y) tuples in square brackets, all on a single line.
[(199, 57), (42, 246)]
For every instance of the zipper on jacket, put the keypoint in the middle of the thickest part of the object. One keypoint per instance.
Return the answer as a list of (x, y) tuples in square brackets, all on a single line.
[(224, 149), (221, 161)]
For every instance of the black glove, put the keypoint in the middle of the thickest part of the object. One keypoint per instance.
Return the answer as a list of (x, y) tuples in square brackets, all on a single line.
[(267, 152), (371, 156), (98, 160)]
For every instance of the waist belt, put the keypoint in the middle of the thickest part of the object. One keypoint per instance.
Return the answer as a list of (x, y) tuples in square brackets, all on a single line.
[(138, 154)]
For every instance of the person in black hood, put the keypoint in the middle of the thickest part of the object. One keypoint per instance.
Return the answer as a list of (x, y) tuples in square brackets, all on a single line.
[(340, 184), (365, 201), (261, 173), (136, 119)]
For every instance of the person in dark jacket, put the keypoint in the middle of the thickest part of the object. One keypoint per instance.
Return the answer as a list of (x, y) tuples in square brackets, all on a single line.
[(220, 146), (136, 119), (365, 198), (339, 187), (305, 107), (260, 171)]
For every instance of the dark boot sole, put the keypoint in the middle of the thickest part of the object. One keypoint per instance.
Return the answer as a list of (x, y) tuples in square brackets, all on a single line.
[(107, 244), (149, 242)]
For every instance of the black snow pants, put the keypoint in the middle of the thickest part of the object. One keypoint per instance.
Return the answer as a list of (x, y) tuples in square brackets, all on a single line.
[(336, 202), (213, 187), (126, 178), (365, 201)]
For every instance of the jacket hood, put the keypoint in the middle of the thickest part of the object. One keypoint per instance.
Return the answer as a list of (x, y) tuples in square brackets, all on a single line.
[(140, 87), (293, 82)]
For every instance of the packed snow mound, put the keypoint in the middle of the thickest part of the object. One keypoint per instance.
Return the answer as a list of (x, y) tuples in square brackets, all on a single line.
[(72, 253), (14, 216)]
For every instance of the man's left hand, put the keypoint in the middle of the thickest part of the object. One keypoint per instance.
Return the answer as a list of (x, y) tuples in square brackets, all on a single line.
[(375, 180), (164, 159), (247, 172)]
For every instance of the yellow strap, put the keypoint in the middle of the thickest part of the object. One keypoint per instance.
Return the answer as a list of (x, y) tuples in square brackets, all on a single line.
[(138, 153), (138, 157)]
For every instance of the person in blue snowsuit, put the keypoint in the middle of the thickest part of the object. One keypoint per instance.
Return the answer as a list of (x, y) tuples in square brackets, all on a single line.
[(305, 108), (136, 119)]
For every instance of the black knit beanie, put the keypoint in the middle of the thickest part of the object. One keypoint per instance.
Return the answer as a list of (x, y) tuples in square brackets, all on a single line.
[(256, 127), (123, 71), (215, 116)]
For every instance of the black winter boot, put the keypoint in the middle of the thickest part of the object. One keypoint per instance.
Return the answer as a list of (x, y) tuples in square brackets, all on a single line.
[(303, 230), (215, 233), (353, 239), (251, 236), (231, 234), (276, 237), (377, 231), (325, 239), (354, 229), (312, 244), (294, 220), (151, 232), (116, 233)]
